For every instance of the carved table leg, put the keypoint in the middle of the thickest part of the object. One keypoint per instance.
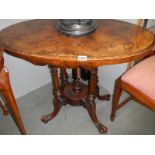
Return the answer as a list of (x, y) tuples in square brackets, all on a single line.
[(64, 82), (64, 77), (57, 95), (77, 86), (90, 103), (8, 95)]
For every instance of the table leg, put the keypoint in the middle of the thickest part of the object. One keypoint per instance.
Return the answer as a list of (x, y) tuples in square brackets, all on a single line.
[(77, 86), (90, 103), (57, 96), (64, 82), (64, 77)]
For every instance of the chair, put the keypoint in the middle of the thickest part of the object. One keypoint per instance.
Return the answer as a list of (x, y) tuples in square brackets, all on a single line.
[(139, 82), (6, 91)]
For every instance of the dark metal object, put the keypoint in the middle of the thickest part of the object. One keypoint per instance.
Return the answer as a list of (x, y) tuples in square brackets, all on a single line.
[(85, 74), (145, 22), (76, 27)]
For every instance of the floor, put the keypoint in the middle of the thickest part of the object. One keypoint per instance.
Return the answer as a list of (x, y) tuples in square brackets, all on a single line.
[(133, 119)]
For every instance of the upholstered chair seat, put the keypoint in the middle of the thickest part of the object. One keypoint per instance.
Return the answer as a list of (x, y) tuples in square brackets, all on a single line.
[(139, 83), (142, 77)]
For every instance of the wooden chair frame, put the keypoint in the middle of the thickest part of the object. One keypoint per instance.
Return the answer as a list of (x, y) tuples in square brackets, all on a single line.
[(7, 93), (4, 109), (134, 94)]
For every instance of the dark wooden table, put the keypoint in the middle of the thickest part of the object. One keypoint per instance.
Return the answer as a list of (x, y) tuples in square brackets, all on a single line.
[(38, 42)]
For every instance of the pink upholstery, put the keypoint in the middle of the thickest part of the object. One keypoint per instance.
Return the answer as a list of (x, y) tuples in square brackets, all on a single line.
[(142, 77)]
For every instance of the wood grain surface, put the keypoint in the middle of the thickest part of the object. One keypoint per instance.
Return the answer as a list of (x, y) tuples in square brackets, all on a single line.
[(38, 42)]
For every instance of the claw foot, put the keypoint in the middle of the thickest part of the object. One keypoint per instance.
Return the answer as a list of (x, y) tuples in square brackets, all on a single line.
[(104, 97), (45, 119), (102, 129)]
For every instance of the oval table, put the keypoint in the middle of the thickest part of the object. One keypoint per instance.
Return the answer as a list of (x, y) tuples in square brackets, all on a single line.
[(113, 42)]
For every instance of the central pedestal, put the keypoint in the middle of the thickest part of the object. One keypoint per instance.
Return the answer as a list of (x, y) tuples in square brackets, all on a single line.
[(75, 98), (76, 94)]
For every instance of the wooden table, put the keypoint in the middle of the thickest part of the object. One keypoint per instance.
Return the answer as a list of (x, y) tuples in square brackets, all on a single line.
[(38, 42)]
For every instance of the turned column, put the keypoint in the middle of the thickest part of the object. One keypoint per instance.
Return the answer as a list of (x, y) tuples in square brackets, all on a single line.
[(77, 86), (92, 86), (64, 77), (90, 103), (55, 81), (57, 95), (64, 82)]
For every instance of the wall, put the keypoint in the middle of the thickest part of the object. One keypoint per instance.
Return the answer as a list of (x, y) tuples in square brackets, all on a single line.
[(26, 77)]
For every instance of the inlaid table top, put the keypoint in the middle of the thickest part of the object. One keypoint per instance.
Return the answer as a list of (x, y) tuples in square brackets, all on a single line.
[(113, 42)]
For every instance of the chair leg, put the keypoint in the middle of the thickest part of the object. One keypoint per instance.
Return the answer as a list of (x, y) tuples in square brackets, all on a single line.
[(7, 93), (4, 109), (116, 97)]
